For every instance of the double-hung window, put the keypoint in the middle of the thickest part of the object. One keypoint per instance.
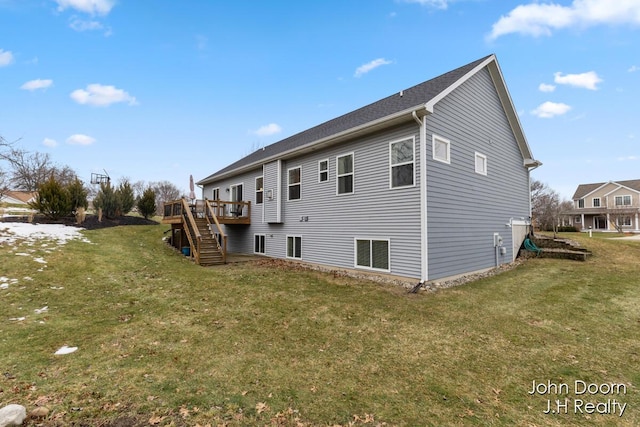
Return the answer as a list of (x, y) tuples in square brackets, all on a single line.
[(372, 254), (323, 170), (294, 183), (596, 202), (581, 203), (259, 190), (402, 161), (345, 173)]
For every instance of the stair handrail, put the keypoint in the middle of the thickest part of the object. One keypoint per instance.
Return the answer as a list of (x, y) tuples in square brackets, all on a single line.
[(191, 224), (209, 212)]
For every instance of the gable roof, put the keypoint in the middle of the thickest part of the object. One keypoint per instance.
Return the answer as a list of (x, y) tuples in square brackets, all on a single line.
[(419, 99), (584, 190), (18, 197)]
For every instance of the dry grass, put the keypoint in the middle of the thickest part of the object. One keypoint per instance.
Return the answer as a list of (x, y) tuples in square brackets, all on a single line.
[(164, 342)]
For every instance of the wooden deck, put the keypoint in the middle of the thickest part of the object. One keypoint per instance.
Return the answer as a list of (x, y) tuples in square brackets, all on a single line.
[(197, 226), (226, 212)]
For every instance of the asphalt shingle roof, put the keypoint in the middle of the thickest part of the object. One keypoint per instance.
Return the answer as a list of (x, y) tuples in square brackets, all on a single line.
[(412, 97), (584, 189)]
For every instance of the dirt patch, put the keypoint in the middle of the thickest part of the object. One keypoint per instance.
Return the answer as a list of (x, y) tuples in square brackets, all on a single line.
[(90, 223)]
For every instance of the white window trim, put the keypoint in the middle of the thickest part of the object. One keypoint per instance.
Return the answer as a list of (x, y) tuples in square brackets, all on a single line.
[(213, 190), (286, 249), (391, 165), (264, 247), (259, 191), (623, 196), (577, 219), (371, 239), (321, 171), (485, 161), (593, 202), (352, 173), (435, 138), (289, 184)]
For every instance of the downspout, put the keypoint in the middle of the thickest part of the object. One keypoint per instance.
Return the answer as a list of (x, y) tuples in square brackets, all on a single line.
[(424, 245)]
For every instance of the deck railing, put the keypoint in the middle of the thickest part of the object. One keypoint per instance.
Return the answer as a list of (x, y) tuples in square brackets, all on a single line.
[(225, 211), (212, 220), (193, 234)]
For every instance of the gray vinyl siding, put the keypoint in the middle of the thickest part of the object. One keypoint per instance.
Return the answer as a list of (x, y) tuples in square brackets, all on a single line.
[(335, 221), (464, 208)]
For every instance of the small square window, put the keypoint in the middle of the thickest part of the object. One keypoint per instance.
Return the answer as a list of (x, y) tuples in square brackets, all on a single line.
[(441, 149), (481, 164)]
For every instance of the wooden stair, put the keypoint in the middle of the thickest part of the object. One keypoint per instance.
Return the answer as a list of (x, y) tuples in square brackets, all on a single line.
[(210, 253)]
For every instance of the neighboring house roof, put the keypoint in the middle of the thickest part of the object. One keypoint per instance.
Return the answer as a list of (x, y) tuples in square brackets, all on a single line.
[(420, 99), (584, 190), (18, 197)]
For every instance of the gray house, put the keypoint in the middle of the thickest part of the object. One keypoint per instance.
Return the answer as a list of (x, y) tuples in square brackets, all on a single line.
[(428, 183)]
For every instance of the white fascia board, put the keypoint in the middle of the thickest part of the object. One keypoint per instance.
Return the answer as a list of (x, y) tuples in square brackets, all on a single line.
[(330, 140)]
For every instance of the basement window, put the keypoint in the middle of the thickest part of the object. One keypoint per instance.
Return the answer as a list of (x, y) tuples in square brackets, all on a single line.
[(294, 246), (372, 254), (259, 243)]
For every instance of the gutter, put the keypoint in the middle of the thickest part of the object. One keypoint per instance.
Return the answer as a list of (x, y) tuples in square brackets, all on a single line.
[(365, 128)]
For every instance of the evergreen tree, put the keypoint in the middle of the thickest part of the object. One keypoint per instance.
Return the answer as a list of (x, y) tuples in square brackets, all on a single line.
[(78, 195), (53, 200), (147, 203), (127, 199), (108, 200)]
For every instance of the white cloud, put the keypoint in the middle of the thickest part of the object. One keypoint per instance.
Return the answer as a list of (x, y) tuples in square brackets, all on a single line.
[(36, 84), (438, 4), (6, 57), (587, 80), (628, 158), (546, 88), (633, 69), (541, 19), (80, 139), (101, 95), (92, 7), (364, 69), (82, 25), (50, 142), (268, 130), (549, 109)]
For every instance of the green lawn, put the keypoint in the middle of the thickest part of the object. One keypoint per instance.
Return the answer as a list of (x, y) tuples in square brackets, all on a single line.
[(165, 342)]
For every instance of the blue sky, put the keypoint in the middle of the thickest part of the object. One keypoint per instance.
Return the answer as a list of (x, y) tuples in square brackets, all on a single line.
[(158, 89)]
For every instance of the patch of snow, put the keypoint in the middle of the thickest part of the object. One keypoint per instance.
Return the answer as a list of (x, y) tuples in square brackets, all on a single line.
[(42, 310), (17, 319), (12, 231), (40, 260), (65, 350)]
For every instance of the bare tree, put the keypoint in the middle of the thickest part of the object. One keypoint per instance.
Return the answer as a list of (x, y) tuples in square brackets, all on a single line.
[(546, 206), (3, 184), (619, 216), (165, 192)]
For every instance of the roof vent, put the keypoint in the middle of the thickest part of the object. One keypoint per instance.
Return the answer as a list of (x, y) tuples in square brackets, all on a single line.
[(401, 93)]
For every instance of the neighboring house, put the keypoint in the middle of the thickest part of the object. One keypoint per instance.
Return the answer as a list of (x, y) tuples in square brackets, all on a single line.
[(428, 183), (18, 197), (606, 206)]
